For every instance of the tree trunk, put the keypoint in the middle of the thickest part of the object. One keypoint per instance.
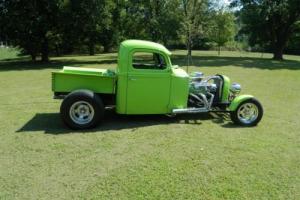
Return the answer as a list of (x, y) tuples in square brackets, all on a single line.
[(278, 53), (165, 41), (57, 51), (189, 45), (189, 51), (279, 42), (45, 50), (91, 48), (33, 57), (106, 48)]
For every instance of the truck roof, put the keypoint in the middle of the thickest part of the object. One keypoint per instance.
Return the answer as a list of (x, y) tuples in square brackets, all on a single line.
[(134, 44)]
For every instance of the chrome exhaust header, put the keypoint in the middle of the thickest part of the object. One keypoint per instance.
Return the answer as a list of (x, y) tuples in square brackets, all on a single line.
[(205, 108)]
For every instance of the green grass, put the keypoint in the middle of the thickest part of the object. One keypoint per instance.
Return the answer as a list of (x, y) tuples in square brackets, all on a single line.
[(8, 53), (151, 157)]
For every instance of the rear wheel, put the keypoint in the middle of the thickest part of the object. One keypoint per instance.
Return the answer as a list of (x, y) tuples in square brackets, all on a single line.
[(82, 109), (248, 113)]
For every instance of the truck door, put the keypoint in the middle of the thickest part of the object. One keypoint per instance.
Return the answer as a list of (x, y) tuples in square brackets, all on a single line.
[(149, 80)]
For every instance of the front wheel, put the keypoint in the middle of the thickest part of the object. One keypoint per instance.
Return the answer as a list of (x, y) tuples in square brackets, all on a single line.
[(248, 113), (82, 109)]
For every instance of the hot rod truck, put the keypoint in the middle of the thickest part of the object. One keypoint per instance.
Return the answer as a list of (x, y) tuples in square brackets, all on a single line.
[(146, 82)]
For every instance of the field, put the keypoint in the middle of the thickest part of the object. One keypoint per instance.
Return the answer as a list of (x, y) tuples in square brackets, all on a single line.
[(151, 157)]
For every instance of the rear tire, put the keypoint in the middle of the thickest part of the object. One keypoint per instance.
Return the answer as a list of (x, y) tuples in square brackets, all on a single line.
[(82, 109), (248, 113)]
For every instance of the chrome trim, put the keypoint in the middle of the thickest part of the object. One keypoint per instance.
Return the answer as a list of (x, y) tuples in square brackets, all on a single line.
[(189, 110), (81, 112), (247, 113), (235, 88)]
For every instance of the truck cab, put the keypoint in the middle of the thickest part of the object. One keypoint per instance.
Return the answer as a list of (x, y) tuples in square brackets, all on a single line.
[(146, 78), (146, 82)]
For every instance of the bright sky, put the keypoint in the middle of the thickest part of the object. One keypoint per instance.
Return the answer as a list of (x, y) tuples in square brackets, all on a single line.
[(226, 2), (221, 3)]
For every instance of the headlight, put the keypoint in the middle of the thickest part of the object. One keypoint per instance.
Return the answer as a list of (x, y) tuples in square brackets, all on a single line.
[(235, 88)]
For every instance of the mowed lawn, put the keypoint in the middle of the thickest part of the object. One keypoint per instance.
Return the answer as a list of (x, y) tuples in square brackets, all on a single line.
[(151, 157)]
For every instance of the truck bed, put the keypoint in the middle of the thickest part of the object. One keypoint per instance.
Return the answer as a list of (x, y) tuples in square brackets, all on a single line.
[(73, 78)]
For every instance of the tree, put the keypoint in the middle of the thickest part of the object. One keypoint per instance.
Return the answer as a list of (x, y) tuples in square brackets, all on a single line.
[(27, 24), (88, 22), (156, 20), (222, 28), (294, 42), (194, 18), (168, 21), (111, 36), (164, 21), (269, 22)]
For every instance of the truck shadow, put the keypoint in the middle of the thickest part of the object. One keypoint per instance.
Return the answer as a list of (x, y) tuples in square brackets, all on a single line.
[(50, 123)]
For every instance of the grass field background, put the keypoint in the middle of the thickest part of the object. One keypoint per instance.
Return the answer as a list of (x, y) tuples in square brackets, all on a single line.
[(150, 157)]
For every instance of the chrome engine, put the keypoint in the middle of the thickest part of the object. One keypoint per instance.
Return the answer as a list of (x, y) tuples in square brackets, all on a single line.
[(203, 91)]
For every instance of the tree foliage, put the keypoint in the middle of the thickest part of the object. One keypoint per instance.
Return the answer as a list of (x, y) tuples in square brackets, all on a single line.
[(29, 23), (88, 22), (222, 28), (155, 20), (42, 27), (269, 22), (193, 20)]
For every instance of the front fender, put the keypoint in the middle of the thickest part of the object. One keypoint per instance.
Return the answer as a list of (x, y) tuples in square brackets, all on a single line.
[(238, 100)]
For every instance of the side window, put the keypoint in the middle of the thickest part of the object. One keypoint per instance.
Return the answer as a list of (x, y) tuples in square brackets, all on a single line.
[(146, 60)]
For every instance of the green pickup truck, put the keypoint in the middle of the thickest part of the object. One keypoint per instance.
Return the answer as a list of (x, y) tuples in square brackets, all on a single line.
[(146, 82)]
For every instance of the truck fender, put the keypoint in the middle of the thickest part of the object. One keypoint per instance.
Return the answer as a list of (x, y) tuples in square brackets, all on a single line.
[(238, 100)]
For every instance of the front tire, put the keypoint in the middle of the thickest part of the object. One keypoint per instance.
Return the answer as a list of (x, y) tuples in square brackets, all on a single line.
[(82, 109), (248, 113)]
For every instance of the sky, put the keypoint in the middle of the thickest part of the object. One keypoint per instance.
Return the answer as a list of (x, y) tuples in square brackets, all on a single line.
[(226, 2), (221, 3)]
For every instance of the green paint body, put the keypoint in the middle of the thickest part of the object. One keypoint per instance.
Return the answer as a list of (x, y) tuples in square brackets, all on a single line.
[(72, 78), (137, 91), (238, 100), (226, 89), (148, 91)]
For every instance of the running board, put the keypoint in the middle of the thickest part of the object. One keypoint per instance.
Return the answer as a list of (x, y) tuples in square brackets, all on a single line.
[(189, 110)]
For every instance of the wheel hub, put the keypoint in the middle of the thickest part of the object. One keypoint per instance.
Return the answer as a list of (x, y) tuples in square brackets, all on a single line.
[(81, 112), (248, 113)]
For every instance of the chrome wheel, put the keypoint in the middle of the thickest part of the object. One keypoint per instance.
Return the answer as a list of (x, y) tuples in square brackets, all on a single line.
[(82, 112), (247, 113)]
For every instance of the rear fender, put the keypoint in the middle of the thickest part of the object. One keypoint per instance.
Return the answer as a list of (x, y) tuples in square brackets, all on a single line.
[(238, 100)]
